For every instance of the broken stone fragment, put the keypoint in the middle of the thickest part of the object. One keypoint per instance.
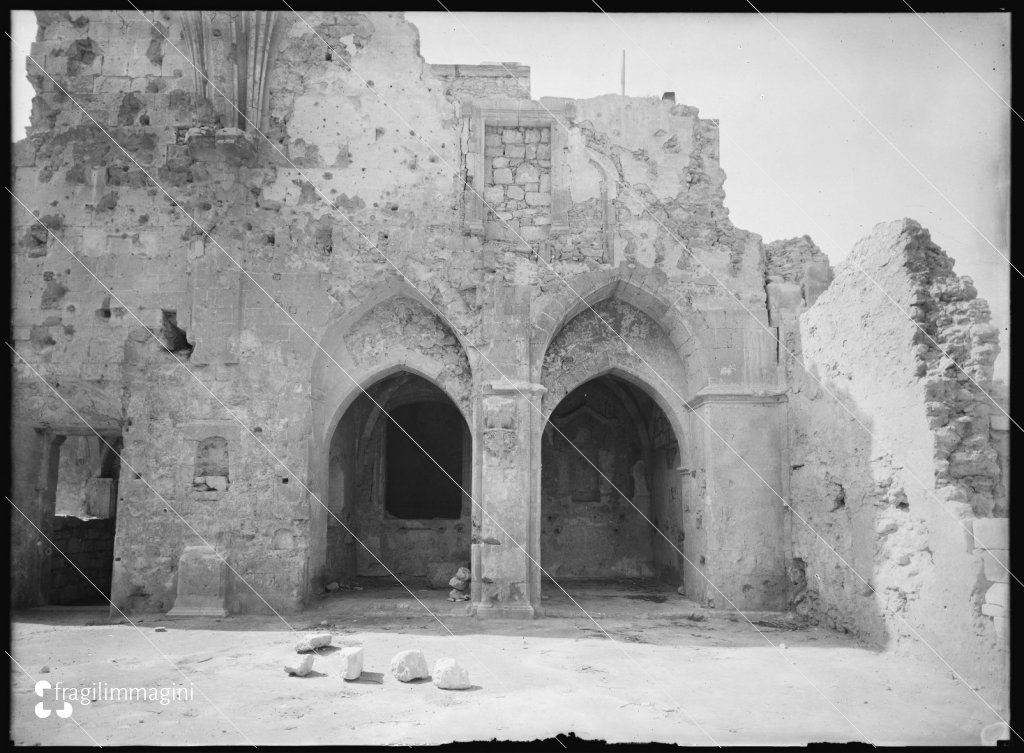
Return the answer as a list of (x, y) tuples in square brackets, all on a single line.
[(299, 668), (313, 641), (458, 584), (455, 595), (407, 666), (462, 574), (450, 675), (351, 662), (333, 586)]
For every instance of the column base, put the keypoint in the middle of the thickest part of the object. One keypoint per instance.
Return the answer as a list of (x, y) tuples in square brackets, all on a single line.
[(197, 611), (504, 611)]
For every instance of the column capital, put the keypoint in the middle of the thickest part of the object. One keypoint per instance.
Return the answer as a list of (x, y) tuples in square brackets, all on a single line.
[(507, 386)]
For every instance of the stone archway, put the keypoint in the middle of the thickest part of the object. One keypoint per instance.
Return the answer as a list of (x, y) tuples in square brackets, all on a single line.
[(400, 471), (611, 494), (373, 350), (638, 513)]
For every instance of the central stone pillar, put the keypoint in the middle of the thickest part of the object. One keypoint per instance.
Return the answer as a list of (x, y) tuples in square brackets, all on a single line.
[(507, 544), (505, 535)]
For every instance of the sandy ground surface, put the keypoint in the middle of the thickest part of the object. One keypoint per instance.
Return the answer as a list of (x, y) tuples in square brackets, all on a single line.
[(662, 678)]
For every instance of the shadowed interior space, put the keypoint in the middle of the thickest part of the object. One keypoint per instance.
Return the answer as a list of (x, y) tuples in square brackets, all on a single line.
[(397, 462), (609, 485)]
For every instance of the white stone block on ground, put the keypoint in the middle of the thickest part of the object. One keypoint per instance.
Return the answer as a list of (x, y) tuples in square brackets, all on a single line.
[(407, 666), (313, 641), (351, 662), (300, 667), (450, 675)]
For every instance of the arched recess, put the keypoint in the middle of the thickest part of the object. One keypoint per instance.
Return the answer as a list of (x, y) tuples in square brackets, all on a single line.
[(639, 288), (625, 414), (399, 475), (395, 337)]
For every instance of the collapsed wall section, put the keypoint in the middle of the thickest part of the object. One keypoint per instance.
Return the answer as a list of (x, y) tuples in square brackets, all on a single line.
[(892, 456)]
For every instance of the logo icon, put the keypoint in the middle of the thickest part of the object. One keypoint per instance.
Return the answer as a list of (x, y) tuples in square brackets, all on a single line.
[(42, 711)]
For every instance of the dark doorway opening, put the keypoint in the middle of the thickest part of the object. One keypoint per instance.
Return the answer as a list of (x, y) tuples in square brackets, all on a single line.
[(84, 476)]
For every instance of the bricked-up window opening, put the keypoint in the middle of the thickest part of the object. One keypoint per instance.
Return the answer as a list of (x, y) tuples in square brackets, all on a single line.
[(211, 471), (416, 487)]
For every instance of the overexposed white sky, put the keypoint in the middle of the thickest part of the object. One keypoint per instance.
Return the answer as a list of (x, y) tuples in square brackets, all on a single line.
[(930, 140)]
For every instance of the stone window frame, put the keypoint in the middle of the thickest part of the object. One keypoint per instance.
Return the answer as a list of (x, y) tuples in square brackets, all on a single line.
[(513, 113)]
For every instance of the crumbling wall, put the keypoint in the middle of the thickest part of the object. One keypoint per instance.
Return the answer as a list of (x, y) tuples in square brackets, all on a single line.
[(367, 156), (245, 337), (890, 471), (504, 80)]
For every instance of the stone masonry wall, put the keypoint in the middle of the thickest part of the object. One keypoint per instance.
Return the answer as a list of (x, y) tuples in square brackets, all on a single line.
[(505, 80)]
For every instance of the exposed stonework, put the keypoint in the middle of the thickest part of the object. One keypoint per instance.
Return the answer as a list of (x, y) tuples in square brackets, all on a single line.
[(426, 243), (488, 81)]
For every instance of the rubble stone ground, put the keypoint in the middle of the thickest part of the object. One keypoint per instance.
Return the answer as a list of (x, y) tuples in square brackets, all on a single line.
[(658, 680)]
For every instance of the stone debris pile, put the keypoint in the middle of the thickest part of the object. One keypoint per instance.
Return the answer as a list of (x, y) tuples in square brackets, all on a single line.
[(460, 585)]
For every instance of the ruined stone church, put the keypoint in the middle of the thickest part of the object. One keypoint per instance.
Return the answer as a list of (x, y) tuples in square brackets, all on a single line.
[(293, 307)]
